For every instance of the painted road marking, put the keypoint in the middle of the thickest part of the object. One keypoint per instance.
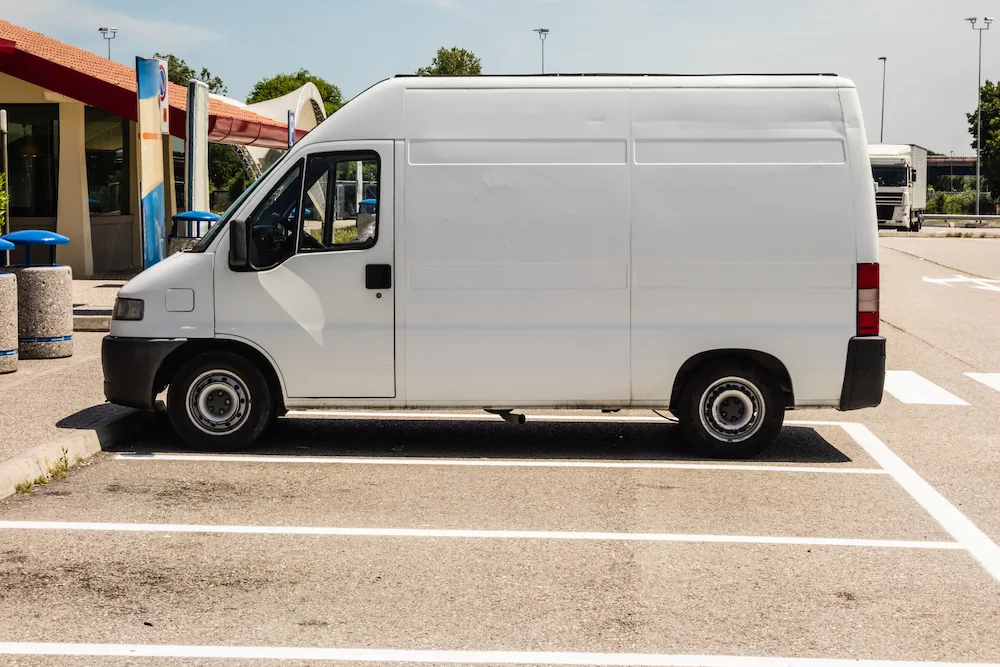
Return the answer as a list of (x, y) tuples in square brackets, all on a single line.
[(491, 463), (471, 534), (448, 657), (991, 380), (908, 387), (974, 283), (951, 519)]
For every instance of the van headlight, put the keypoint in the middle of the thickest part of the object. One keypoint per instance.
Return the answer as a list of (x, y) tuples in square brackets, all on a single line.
[(128, 309)]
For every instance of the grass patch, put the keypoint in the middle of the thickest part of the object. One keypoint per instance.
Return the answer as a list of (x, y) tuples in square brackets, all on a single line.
[(23, 487), (345, 235), (60, 468), (41, 480)]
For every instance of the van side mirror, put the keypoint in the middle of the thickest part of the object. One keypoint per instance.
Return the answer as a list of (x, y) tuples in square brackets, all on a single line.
[(238, 246)]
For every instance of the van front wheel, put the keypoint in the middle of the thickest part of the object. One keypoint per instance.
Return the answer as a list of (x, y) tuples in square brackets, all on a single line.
[(219, 401), (731, 410)]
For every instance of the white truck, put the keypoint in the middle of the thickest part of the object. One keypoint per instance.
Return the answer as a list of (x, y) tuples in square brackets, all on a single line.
[(538, 242), (900, 174)]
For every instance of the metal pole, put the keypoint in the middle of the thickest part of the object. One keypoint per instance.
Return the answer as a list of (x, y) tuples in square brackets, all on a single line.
[(543, 56), (881, 134), (979, 120), (359, 187), (109, 49)]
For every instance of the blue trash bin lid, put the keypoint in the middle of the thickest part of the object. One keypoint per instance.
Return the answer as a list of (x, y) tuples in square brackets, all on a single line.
[(196, 216), (35, 237), (6, 245)]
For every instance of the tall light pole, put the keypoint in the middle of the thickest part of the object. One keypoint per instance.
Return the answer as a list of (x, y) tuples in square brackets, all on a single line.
[(952, 188), (105, 32), (543, 34), (979, 105), (881, 132)]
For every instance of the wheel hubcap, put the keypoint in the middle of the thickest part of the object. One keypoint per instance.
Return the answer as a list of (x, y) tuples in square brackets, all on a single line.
[(732, 409), (218, 402)]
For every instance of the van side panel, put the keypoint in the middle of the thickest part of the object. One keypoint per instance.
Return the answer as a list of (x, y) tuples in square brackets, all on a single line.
[(865, 216), (517, 248), (742, 234)]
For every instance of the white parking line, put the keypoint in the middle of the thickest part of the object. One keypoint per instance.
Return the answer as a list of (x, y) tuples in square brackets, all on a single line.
[(448, 657), (908, 387), (471, 534), (991, 380), (951, 519), (492, 463)]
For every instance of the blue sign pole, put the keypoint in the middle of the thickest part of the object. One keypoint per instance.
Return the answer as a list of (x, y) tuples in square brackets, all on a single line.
[(151, 95)]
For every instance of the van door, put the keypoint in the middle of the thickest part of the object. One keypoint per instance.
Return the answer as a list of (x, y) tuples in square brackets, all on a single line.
[(319, 298)]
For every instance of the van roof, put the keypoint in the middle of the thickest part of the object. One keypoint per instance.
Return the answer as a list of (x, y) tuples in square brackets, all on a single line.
[(614, 74), (378, 112)]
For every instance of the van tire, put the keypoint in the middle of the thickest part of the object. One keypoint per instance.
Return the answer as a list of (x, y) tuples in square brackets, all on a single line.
[(245, 402), (714, 405)]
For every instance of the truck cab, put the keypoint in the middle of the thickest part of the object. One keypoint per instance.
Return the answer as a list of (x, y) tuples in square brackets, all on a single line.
[(900, 175)]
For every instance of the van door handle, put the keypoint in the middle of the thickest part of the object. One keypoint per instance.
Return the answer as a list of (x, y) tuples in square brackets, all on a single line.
[(378, 276)]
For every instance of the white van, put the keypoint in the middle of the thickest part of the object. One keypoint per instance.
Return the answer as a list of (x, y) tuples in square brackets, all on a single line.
[(703, 244)]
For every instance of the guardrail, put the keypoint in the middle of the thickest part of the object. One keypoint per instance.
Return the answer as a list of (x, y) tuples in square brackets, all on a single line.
[(952, 219)]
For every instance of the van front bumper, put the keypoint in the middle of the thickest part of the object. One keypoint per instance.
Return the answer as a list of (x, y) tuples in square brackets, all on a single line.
[(864, 378), (130, 367)]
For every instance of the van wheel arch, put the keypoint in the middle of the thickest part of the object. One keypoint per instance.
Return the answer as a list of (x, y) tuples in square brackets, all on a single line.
[(767, 362), (168, 369)]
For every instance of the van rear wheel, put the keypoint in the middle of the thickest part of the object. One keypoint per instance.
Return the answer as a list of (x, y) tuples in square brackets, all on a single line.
[(219, 401), (731, 410)]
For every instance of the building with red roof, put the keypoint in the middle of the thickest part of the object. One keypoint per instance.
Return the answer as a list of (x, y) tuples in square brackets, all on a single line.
[(72, 137)]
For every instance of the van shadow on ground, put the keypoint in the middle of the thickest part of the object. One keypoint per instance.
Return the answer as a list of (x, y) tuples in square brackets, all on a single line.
[(487, 439)]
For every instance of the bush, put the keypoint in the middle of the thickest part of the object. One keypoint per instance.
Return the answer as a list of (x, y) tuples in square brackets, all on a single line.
[(3, 204)]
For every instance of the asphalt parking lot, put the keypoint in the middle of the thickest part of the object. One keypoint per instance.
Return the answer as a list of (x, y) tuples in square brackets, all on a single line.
[(574, 539)]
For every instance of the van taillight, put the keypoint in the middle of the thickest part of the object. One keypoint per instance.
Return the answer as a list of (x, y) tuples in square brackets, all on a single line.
[(868, 282)]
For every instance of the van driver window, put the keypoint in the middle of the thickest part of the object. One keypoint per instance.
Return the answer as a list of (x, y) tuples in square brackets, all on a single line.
[(273, 225), (338, 214)]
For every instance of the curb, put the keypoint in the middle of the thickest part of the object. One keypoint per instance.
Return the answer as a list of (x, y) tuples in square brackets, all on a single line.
[(78, 446), (91, 323)]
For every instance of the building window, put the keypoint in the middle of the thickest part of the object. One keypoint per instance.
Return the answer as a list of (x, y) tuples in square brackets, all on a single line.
[(33, 143), (107, 137)]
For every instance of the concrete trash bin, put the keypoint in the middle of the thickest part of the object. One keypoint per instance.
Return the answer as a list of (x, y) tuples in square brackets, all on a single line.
[(188, 228), (367, 212), (44, 299), (8, 315)]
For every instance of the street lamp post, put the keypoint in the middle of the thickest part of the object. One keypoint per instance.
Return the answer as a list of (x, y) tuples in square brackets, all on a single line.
[(881, 132), (952, 181), (543, 34), (979, 105), (105, 32)]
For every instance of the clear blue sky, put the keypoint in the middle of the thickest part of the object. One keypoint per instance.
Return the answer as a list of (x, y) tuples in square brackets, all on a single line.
[(932, 51)]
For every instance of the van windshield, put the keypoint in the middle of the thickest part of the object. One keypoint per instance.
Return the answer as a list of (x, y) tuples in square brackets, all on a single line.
[(890, 176), (216, 229)]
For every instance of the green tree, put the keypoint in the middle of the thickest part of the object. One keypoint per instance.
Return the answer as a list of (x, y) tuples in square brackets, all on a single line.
[(224, 164), (180, 73), (282, 84), (453, 62), (991, 136)]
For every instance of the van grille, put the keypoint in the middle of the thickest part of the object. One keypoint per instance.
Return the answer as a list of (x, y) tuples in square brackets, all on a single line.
[(894, 198)]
